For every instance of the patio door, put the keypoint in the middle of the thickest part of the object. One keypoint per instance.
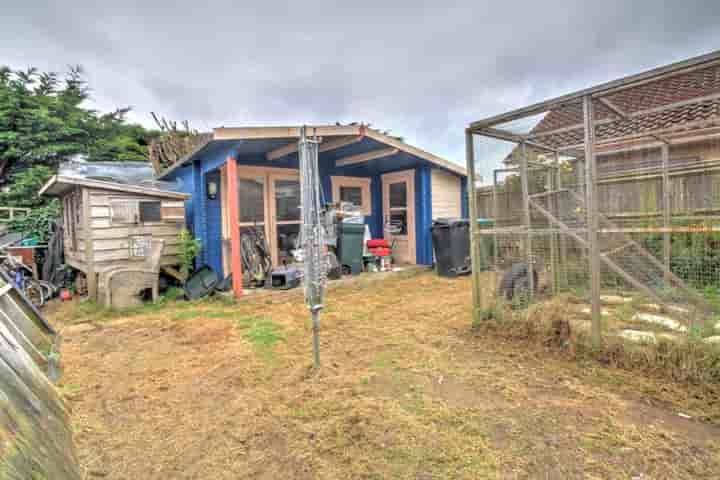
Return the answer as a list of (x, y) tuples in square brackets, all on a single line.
[(399, 213), (285, 215), (253, 206)]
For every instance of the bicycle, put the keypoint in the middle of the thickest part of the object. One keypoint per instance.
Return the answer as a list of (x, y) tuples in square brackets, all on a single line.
[(37, 291)]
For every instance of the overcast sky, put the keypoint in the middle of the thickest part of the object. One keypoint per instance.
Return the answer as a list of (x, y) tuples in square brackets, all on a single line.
[(423, 70)]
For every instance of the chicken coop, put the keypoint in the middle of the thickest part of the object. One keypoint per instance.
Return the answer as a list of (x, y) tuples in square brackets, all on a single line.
[(611, 193), (117, 222)]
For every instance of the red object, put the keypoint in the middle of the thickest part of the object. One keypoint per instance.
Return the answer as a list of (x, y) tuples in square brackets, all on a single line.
[(381, 252), (234, 213), (26, 254), (65, 295), (378, 242)]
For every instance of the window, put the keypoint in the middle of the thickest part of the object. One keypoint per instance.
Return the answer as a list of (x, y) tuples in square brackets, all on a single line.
[(355, 190), (287, 200), (398, 195), (252, 199), (131, 212), (150, 212), (351, 195), (123, 212), (398, 222)]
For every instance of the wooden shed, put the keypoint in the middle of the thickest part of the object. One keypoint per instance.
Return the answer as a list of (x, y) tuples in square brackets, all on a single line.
[(109, 224)]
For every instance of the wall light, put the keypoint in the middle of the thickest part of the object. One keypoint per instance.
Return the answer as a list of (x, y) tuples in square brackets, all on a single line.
[(212, 189)]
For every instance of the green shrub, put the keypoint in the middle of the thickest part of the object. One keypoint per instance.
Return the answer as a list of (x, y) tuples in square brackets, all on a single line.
[(189, 249), (39, 222)]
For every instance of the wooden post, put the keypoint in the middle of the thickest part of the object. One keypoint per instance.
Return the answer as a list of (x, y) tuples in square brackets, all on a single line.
[(592, 220), (90, 274), (562, 240), (234, 213), (665, 154), (474, 230), (496, 213), (553, 202), (526, 218)]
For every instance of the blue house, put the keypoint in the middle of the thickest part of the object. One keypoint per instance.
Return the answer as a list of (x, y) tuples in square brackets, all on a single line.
[(391, 181)]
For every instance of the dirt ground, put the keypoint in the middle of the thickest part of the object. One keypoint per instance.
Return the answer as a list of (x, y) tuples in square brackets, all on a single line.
[(407, 390)]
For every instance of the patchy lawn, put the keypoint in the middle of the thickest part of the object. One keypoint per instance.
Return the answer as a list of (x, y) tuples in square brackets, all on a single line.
[(406, 391)]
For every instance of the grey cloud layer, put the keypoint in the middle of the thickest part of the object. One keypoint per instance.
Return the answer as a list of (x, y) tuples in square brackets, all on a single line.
[(421, 69)]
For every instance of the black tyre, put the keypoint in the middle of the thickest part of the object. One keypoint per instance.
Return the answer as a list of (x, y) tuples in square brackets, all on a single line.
[(515, 283)]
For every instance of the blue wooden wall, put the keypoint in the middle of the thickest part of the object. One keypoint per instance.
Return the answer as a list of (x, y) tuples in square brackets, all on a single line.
[(204, 215)]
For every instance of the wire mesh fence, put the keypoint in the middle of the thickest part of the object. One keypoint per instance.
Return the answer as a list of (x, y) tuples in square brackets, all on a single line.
[(672, 268)]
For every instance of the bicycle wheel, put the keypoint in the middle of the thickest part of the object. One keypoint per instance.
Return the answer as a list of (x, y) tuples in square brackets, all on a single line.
[(35, 293), (49, 290)]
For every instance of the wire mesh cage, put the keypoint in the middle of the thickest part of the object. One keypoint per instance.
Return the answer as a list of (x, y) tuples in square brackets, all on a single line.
[(613, 192)]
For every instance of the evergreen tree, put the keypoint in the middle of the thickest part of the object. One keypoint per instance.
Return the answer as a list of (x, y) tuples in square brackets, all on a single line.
[(43, 121)]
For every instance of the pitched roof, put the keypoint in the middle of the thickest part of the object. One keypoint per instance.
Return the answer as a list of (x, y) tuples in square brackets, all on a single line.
[(291, 133)]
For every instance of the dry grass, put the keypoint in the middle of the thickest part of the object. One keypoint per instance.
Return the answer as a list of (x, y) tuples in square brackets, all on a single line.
[(407, 390), (556, 322)]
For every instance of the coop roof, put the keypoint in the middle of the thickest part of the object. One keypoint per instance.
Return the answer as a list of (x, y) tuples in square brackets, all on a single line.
[(678, 103), (59, 185)]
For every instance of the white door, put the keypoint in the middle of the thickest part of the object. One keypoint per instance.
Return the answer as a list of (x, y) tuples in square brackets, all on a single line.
[(399, 214)]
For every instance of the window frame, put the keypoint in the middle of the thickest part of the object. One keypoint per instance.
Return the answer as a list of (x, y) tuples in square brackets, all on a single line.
[(169, 211), (362, 182)]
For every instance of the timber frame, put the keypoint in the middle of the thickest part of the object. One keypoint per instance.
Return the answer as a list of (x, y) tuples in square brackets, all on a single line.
[(615, 116), (331, 137)]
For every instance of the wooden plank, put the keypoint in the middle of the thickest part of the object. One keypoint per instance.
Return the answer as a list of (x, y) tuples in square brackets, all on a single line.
[(243, 133), (339, 143), (174, 272), (156, 230), (446, 196), (474, 241), (172, 260), (100, 212), (526, 218), (415, 151), (283, 151), (366, 157), (665, 154), (592, 220), (124, 254), (112, 186), (105, 245), (89, 254), (225, 216), (234, 213)]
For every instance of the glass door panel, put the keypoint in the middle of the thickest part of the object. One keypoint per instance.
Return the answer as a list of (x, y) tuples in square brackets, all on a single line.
[(252, 200), (287, 200), (399, 214)]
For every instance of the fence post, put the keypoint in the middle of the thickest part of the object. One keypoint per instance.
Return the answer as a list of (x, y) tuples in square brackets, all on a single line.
[(592, 219), (526, 218), (665, 155), (474, 230), (496, 214)]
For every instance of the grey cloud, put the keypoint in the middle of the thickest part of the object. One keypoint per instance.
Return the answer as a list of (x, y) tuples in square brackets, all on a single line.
[(421, 69)]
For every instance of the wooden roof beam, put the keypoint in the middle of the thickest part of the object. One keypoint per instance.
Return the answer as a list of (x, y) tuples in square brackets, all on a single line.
[(339, 143), (291, 148), (252, 133), (366, 157), (513, 137), (283, 151)]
